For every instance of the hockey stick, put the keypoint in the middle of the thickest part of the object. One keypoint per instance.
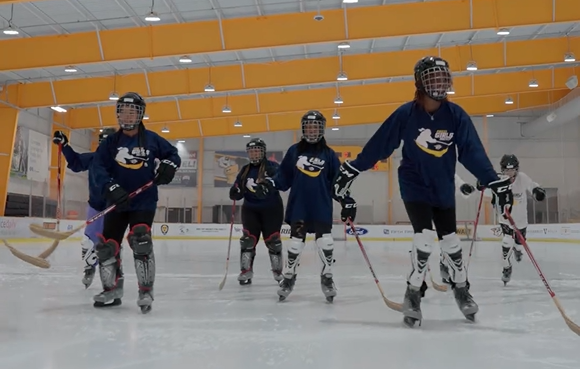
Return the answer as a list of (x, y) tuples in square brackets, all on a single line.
[(436, 286), (223, 282), (391, 304), (573, 326), (475, 230), (64, 235)]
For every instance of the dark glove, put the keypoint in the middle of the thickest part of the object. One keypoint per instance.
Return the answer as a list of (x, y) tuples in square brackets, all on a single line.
[(479, 186), (348, 212), (466, 189), (165, 172), (502, 188), (263, 189), (60, 138), (118, 196), (346, 175), (539, 193), (493, 199), (236, 193)]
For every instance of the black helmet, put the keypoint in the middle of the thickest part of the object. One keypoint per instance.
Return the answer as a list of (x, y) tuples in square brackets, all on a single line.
[(106, 132), (130, 110), (509, 161), (310, 119), (433, 77), (256, 143)]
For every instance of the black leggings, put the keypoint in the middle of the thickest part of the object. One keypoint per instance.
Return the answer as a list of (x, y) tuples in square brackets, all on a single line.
[(116, 223), (300, 229), (266, 221), (423, 215)]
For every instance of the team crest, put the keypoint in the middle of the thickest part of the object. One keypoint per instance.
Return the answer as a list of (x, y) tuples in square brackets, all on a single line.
[(164, 229), (311, 166), (434, 144), (132, 159)]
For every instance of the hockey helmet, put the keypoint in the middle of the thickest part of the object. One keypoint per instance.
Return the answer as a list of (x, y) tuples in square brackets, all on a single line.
[(256, 150), (313, 126), (433, 77), (510, 165), (106, 132), (130, 110)]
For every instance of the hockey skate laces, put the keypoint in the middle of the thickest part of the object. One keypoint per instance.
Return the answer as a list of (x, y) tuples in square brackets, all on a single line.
[(436, 81)]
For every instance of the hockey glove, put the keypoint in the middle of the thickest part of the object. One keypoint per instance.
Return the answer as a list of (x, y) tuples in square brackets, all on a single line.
[(502, 189), (165, 172), (479, 186), (118, 196), (60, 138), (539, 193), (346, 175), (466, 189), (236, 193), (263, 189), (348, 212)]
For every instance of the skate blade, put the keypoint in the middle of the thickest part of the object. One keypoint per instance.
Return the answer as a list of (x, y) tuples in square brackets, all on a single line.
[(330, 299), (146, 309), (246, 282), (410, 321), (100, 304)]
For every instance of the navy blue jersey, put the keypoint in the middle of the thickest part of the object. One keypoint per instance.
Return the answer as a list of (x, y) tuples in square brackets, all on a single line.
[(248, 185), (309, 174), (80, 163), (432, 145), (122, 160)]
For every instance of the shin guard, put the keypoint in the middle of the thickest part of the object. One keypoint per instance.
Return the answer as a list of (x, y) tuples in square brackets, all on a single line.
[(142, 245), (452, 257), (274, 245)]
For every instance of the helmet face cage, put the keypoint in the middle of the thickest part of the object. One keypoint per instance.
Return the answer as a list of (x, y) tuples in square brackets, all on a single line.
[(313, 126), (510, 166), (436, 80), (256, 151), (130, 111)]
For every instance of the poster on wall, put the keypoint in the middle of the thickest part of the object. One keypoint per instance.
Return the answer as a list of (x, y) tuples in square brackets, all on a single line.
[(19, 165), (37, 169), (350, 153), (186, 175), (227, 164)]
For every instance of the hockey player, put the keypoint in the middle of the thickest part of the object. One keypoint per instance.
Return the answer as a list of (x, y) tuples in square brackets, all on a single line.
[(80, 163), (433, 130), (521, 183), (307, 170), (124, 162), (263, 216)]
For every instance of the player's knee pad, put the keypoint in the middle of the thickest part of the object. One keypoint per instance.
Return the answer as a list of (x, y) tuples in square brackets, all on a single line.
[(274, 243), (450, 244), (295, 246), (107, 249), (325, 242), (86, 242), (297, 230), (140, 239), (423, 242), (248, 241), (507, 242)]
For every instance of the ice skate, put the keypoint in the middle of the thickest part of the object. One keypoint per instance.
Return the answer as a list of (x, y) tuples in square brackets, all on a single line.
[(88, 276), (465, 301), (328, 287), (412, 306), (245, 277), (276, 263), (286, 287), (506, 275), (517, 255), (110, 297), (145, 300)]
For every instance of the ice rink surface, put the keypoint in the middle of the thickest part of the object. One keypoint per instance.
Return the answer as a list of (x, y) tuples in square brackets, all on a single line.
[(47, 320)]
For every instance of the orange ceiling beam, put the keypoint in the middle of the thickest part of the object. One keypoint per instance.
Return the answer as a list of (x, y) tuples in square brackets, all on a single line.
[(501, 84), (350, 115), (280, 30), (71, 92)]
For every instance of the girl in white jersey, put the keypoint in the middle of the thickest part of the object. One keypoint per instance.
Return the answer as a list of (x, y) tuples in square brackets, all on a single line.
[(521, 184)]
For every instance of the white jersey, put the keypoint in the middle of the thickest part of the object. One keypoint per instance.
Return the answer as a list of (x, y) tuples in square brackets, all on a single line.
[(520, 188)]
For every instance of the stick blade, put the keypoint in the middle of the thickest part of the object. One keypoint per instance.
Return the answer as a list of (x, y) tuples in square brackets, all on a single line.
[(222, 283), (438, 287), (41, 263), (49, 233), (46, 253), (393, 305)]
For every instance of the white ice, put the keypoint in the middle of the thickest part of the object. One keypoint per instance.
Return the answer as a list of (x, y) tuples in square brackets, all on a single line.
[(47, 320)]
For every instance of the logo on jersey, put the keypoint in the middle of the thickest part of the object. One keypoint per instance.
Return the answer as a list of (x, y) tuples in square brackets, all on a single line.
[(435, 144), (134, 159), (311, 166), (251, 185)]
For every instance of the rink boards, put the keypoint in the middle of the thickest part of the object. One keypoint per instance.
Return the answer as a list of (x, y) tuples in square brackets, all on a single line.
[(17, 230)]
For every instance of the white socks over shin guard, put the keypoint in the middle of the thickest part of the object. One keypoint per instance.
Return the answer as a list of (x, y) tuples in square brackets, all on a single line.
[(295, 248), (420, 252), (325, 245), (452, 257)]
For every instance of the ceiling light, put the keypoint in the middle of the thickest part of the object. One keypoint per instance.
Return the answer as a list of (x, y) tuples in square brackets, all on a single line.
[(10, 31), (569, 57), (489, 115), (209, 88), (533, 83), (185, 59), (472, 65), (451, 91), (70, 69), (336, 116), (113, 96), (247, 136), (503, 32), (58, 109), (349, 1), (335, 128), (152, 17), (509, 101), (226, 109), (341, 77), (145, 117), (338, 100), (165, 130), (180, 141), (100, 130), (237, 123), (344, 45)]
